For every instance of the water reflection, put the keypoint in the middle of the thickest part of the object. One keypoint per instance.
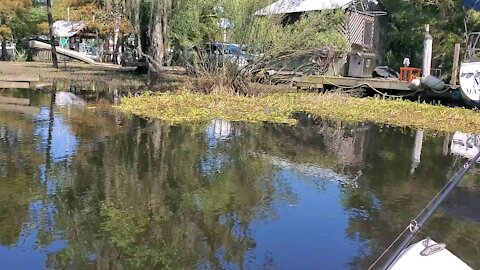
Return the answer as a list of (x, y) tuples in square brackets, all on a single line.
[(465, 145), (69, 99), (92, 189)]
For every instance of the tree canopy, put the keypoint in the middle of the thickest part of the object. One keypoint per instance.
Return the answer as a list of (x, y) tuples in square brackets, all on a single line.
[(161, 27)]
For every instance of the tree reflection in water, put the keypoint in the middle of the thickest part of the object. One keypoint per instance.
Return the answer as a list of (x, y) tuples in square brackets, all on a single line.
[(137, 194)]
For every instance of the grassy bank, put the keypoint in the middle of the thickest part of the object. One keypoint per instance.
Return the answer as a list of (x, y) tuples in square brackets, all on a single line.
[(186, 107)]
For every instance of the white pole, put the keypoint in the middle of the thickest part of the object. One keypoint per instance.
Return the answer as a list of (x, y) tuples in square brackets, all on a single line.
[(427, 52)]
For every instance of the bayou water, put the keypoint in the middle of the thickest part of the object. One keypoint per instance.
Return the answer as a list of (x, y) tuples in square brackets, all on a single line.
[(84, 187)]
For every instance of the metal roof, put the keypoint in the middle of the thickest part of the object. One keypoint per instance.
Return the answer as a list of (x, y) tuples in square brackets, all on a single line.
[(67, 28), (293, 6)]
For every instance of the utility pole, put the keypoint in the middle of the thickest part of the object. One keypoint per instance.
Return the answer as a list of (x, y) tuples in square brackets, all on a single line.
[(52, 38)]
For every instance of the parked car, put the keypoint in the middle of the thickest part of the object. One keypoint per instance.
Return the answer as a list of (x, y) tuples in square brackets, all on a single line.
[(214, 55)]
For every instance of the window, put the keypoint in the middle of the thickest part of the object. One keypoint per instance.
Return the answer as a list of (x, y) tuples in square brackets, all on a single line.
[(368, 34)]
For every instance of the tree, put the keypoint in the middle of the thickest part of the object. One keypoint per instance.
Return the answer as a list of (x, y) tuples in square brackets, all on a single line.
[(9, 10), (52, 37), (404, 36)]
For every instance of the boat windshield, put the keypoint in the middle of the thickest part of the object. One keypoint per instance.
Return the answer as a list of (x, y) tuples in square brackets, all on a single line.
[(472, 49), (472, 38)]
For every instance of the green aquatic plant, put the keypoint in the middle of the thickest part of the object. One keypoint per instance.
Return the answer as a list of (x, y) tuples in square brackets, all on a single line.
[(187, 107)]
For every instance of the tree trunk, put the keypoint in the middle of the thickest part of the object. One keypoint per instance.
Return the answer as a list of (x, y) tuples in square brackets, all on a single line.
[(157, 50), (4, 48), (52, 38), (167, 6), (138, 37)]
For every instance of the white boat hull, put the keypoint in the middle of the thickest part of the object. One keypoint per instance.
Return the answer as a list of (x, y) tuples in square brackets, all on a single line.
[(470, 82), (435, 256)]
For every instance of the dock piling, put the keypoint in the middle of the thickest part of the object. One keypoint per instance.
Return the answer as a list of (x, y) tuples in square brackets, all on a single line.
[(456, 65)]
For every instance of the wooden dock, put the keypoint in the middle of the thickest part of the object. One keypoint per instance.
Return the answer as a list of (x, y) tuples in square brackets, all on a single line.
[(19, 81), (325, 82), (390, 87)]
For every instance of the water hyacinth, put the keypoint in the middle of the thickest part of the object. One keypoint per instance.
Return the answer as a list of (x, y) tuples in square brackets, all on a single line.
[(188, 107)]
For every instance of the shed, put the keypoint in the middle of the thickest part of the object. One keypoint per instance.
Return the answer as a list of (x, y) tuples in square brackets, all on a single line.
[(67, 29), (294, 6), (361, 26)]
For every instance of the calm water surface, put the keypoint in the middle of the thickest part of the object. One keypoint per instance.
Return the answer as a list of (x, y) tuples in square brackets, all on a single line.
[(84, 188)]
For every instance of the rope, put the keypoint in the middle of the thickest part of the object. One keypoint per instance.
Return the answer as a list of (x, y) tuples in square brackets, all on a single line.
[(443, 91)]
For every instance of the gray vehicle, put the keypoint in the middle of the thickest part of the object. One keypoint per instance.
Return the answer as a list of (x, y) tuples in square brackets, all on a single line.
[(214, 55)]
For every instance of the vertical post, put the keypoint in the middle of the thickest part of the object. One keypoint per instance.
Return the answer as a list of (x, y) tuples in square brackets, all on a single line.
[(427, 52), (52, 38), (456, 65)]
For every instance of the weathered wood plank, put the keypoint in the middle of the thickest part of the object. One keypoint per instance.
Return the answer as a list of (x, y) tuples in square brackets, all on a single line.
[(7, 77), (353, 82), (18, 85), (19, 109), (17, 101)]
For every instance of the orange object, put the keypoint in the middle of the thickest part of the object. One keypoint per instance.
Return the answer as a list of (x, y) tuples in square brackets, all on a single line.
[(408, 74)]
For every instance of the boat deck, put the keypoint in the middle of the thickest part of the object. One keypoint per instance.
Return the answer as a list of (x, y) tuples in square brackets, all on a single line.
[(321, 82)]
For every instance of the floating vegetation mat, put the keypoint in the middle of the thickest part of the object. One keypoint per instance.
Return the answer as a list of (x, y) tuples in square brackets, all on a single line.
[(187, 107)]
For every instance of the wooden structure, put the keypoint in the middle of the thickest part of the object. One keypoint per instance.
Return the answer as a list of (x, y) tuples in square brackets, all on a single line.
[(381, 86), (19, 81), (15, 101), (19, 109), (361, 26), (61, 51), (325, 82)]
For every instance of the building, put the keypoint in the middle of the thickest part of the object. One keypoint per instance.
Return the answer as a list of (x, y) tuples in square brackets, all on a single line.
[(11, 47), (361, 27), (70, 35)]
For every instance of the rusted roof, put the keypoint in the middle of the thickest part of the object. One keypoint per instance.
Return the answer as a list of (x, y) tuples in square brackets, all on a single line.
[(67, 28), (293, 6)]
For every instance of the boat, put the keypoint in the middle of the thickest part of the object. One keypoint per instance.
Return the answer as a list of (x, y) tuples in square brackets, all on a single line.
[(470, 66), (425, 254)]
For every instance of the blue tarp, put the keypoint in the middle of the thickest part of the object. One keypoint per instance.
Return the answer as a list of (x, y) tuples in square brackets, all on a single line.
[(475, 4)]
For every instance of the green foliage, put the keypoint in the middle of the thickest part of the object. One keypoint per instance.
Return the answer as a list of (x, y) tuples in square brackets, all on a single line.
[(28, 23), (312, 31), (20, 55), (406, 27), (193, 22)]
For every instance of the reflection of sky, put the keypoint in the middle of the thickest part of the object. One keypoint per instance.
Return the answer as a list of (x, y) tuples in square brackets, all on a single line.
[(64, 143), (32, 247), (27, 251), (313, 231), (218, 131)]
